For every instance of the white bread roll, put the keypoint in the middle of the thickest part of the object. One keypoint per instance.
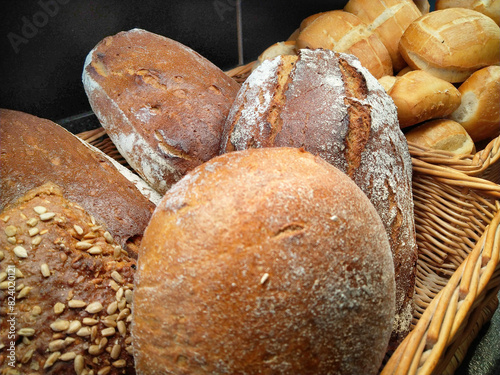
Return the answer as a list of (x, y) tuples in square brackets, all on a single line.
[(420, 96), (451, 43), (388, 19), (479, 110), (490, 8), (344, 32), (442, 134), (263, 261), (387, 82)]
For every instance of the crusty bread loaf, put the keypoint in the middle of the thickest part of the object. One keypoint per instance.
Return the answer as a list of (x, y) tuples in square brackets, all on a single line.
[(489, 8), (329, 104), (451, 43), (65, 289), (344, 32), (388, 19), (479, 110), (36, 151), (264, 261), (419, 96), (161, 103), (442, 134)]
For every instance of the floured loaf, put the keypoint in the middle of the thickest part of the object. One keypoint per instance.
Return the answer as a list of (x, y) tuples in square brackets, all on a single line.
[(327, 103)]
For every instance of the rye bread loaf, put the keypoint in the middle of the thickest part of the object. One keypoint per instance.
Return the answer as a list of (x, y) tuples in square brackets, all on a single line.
[(263, 261), (329, 104), (161, 103), (36, 151)]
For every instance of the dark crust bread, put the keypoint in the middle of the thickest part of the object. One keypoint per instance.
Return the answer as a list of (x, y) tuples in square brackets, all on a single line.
[(330, 105), (36, 151), (161, 103), (263, 261), (68, 287)]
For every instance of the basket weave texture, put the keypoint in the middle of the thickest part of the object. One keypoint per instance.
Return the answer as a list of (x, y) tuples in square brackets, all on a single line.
[(457, 220)]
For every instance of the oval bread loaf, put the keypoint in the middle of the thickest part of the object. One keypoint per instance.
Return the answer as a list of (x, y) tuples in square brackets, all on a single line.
[(344, 32), (451, 44), (264, 261), (479, 110), (161, 103), (329, 104)]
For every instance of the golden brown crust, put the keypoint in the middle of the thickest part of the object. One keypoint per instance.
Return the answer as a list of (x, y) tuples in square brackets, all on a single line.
[(479, 110), (451, 43), (488, 8), (161, 103), (260, 262), (344, 32), (62, 275), (442, 134), (419, 96), (330, 105), (36, 151), (388, 19)]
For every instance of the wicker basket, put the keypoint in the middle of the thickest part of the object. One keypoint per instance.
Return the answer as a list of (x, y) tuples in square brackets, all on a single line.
[(457, 217)]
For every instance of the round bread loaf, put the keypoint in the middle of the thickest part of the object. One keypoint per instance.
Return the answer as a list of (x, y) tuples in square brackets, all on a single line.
[(161, 103), (329, 104), (451, 44), (264, 261), (479, 110), (65, 289), (280, 48), (442, 134), (388, 19), (419, 96), (344, 32)]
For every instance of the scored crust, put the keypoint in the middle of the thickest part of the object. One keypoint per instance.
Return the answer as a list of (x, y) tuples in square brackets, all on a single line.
[(327, 103)]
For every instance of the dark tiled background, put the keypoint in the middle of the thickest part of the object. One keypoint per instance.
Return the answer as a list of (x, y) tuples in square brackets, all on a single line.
[(43, 44)]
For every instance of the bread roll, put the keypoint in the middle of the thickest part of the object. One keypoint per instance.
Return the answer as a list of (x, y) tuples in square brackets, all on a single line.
[(329, 104), (344, 32), (161, 103), (388, 19), (36, 151), (264, 261), (442, 134), (277, 49), (479, 110), (66, 289), (387, 82), (451, 44), (488, 8), (419, 96)]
